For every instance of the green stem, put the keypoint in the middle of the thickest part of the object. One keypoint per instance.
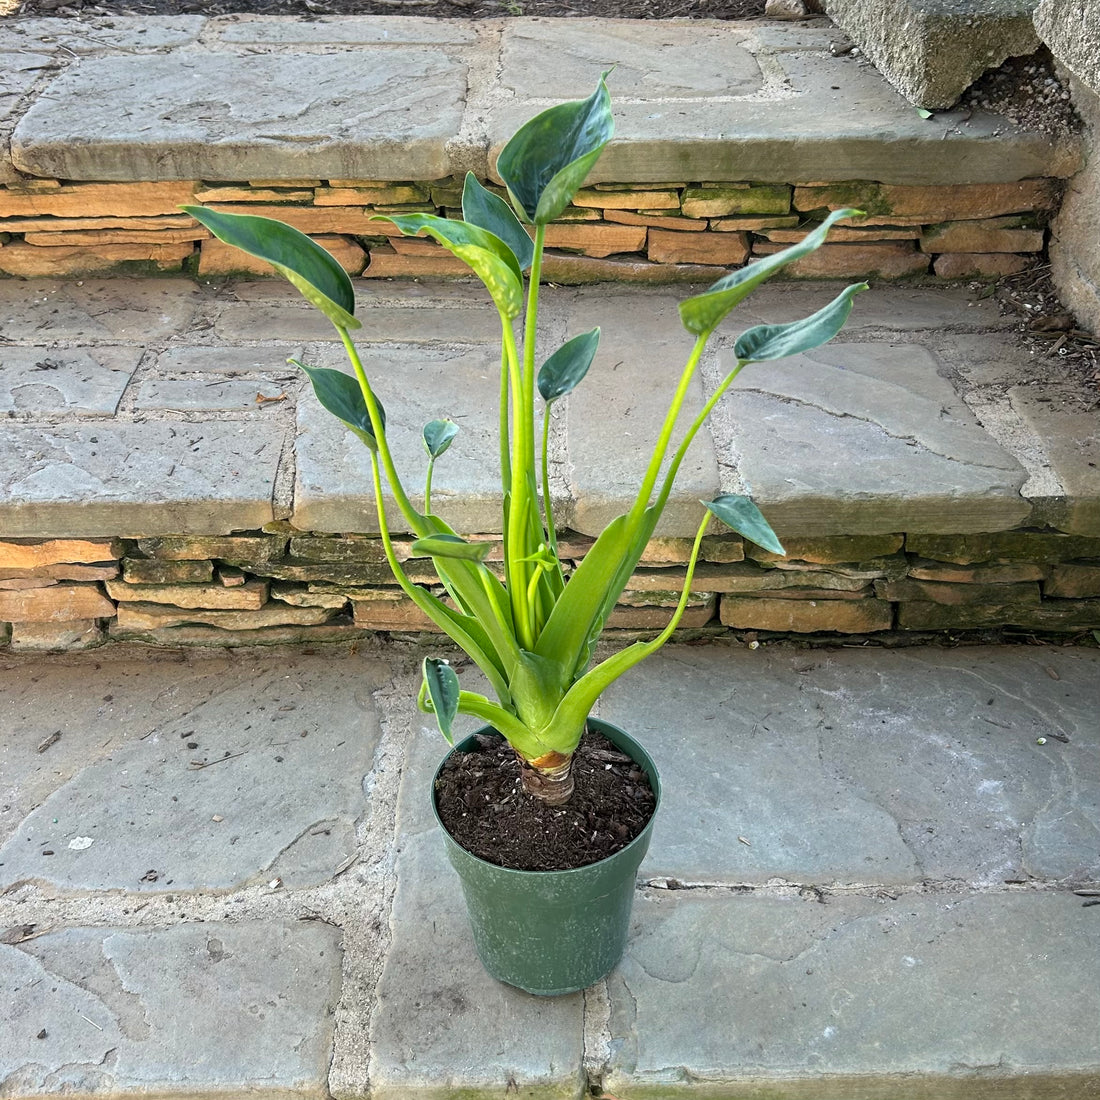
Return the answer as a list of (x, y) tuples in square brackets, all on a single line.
[(428, 486), (505, 454), (547, 504), (519, 502)]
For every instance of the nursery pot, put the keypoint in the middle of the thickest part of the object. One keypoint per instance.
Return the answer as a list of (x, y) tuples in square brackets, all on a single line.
[(552, 932)]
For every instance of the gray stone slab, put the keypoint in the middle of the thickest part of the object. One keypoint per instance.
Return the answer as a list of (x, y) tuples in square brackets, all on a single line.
[(188, 805), (193, 395), (138, 479), (345, 31), (333, 489), (613, 419), (196, 1010), (812, 108), (933, 50), (951, 995), (108, 310), (1070, 432), (220, 360), (21, 66), (73, 381), (916, 765), (867, 438), (444, 1030), (248, 116), (1071, 28), (100, 35)]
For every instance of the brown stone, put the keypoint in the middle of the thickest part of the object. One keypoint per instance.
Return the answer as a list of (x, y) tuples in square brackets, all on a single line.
[(246, 597), (722, 249), (55, 604), (66, 225), (35, 554), (17, 584), (151, 616), (956, 594), (252, 194), (970, 265), (89, 200), (152, 571), (218, 258), (389, 194), (345, 550), (48, 574), (668, 551), (720, 201), (596, 239), (245, 550), (56, 637), (231, 577), (1053, 615), (887, 260), (628, 200), (847, 235), (1004, 546), (93, 238), (353, 220), (806, 616), (657, 618), (292, 183), (579, 270), (1074, 581), (722, 549), (390, 614), (655, 221), (385, 263), (983, 235), (976, 574), (934, 204), (226, 638), (753, 225), (311, 596), (831, 550), (32, 261)]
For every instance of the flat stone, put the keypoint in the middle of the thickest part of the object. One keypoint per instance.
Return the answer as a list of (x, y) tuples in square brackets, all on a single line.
[(769, 132), (613, 419), (868, 438), (261, 116), (439, 1030), (809, 999), (137, 986), (102, 34), (225, 359), (108, 310), (348, 31), (136, 619), (286, 735), (138, 478), (872, 784), (73, 381), (250, 596), (333, 489), (1071, 437), (933, 50), (22, 67), (50, 637), (194, 395)]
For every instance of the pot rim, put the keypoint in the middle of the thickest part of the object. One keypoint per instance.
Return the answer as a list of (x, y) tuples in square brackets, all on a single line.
[(654, 782)]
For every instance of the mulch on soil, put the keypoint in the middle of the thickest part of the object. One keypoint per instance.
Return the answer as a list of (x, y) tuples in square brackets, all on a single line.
[(483, 805)]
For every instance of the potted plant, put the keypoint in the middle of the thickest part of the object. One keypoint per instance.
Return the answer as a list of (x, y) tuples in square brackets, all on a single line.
[(532, 631)]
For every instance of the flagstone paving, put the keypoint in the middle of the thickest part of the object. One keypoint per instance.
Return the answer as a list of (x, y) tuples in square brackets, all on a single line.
[(221, 875)]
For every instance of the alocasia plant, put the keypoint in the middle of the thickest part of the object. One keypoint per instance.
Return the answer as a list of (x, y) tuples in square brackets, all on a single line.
[(532, 634)]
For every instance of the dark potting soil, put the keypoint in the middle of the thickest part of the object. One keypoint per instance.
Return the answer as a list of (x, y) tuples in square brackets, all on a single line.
[(483, 805)]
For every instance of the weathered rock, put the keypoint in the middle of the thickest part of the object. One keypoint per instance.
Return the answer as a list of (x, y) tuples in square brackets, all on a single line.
[(73, 381), (51, 637), (724, 249), (722, 201), (806, 616), (153, 571), (978, 265), (245, 550), (37, 553), (1053, 615), (56, 604), (1003, 546), (1073, 581), (250, 596), (137, 617), (954, 594)]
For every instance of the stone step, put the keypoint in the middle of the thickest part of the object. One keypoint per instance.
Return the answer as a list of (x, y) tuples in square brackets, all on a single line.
[(861, 883)]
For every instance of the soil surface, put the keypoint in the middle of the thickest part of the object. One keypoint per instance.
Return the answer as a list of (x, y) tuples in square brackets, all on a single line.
[(484, 807)]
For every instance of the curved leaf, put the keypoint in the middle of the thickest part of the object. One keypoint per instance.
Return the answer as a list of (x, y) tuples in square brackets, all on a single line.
[(490, 259), (565, 369), (740, 514), (340, 394), (547, 159), (702, 313), (438, 436), (313, 270), (442, 687), (482, 208), (766, 342), (450, 546)]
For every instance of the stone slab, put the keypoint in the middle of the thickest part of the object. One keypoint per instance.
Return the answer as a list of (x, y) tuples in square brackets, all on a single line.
[(222, 116), (921, 765), (770, 132), (1071, 28), (193, 395), (70, 381), (951, 995), (933, 50), (441, 1031), (151, 478), (175, 808), (333, 489), (226, 359), (613, 419), (20, 69), (867, 438), (197, 1009), (102, 34), (397, 30)]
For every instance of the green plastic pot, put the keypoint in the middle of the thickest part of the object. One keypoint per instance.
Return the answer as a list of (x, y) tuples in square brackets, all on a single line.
[(553, 932)]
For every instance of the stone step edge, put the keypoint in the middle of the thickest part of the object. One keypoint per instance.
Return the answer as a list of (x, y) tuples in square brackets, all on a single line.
[(271, 588)]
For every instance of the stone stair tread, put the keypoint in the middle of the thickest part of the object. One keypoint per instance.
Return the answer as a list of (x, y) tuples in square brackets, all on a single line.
[(861, 882)]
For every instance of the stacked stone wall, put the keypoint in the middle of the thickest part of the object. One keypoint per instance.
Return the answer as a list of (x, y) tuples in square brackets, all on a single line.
[(282, 586), (651, 232)]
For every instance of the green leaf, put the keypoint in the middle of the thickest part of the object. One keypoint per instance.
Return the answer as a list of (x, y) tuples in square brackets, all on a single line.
[(482, 208), (740, 514), (547, 159), (490, 259), (340, 394), (450, 546), (316, 274), (766, 342), (443, 690), (924, 113), (701, 314), (438, 436), (564, 370)]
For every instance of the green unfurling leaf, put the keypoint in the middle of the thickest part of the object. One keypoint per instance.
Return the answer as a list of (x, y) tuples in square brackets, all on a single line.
[(565, 369), (340, 394), (438, 436), (313, 270), (766, 342), (441, 685), (482, 208), (740, 514)]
